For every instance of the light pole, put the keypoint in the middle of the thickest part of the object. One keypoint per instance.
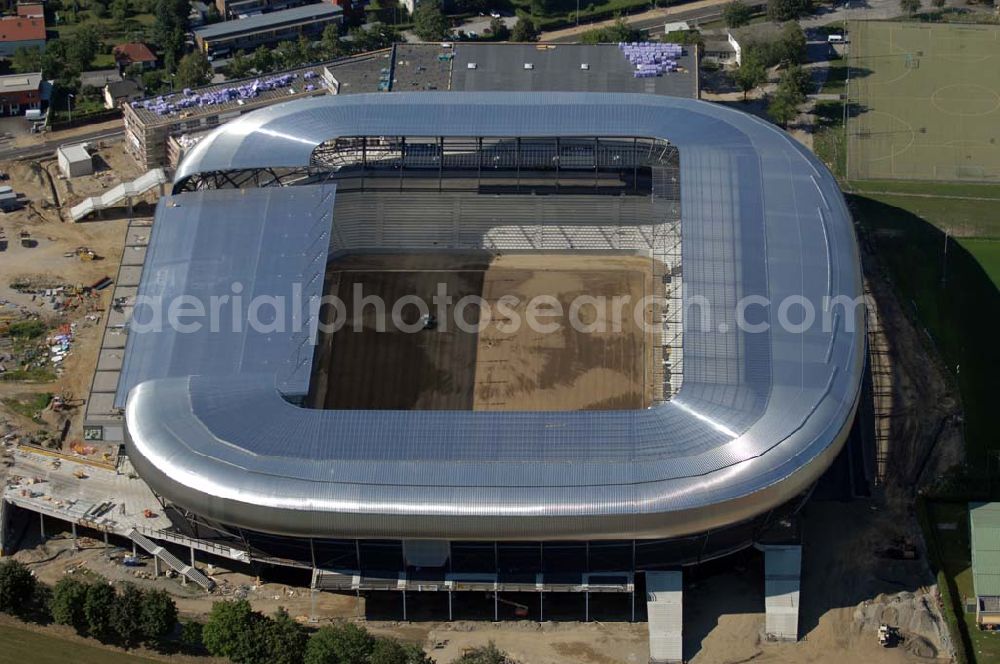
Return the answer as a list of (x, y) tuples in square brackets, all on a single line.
[(69, 105)]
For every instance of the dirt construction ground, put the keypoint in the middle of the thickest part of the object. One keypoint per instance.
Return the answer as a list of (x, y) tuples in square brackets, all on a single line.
[(580, 360)]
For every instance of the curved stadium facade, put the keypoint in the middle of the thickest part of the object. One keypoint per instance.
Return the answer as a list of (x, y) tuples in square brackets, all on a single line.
[(728, 428)]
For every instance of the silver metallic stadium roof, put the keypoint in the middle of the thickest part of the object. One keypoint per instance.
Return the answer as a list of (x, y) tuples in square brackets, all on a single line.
[(759, 417)]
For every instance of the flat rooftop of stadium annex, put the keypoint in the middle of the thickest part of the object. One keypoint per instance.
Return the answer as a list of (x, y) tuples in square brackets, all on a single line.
[(499, 67), (757, 420)]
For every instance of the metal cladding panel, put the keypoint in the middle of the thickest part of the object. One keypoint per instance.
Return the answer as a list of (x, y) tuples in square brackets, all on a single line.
[(759, 417), (664, 606), (233, 244), (782, 576)]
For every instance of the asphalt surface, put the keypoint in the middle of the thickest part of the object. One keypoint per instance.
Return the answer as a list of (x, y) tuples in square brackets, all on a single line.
[(48, 147)]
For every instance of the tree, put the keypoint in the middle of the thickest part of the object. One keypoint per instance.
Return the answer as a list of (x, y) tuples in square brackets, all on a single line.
[(191, 636), (796, 79), (619, 31), (938, 4), (341, 644), (66, 606), (82, 48), (909, 7), (736, 14), (429, 21), (524, 30), (793, 85), (98, 607), (787, 10), (120, 12), (263, 60), (499, 29), (373, 39), (488, 654), (331, 44), (126, 616), (169, 27), (239, 65), (158, 616), (17, 586), (783, 107), (286, 639), (791, 45), (26, 60), (749, 75), (390, 651), (193, 70), (236, 631)]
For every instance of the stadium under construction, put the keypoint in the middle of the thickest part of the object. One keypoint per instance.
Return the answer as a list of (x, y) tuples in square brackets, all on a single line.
[(492, 459)]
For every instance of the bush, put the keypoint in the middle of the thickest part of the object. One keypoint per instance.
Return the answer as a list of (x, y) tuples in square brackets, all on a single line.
[(286, 639), (98, 607), (488, 654), (67, 601), (390, 651), (17, 587), (736, 14), (524, 30), (126, 616), (787, 10), (159, 616), (27, 329), (234, 630), (341, 644), (191, 637)]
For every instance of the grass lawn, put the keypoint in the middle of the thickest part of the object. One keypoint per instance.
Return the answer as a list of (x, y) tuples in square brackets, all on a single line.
[(954, 299), (959, 189), (829, 141), (29, 406), (955, 559), (836, 77), (25, 645), (987, 252), (959, 217), (928, 98)]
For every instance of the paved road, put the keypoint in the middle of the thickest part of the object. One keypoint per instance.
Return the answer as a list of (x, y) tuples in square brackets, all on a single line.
[(48, 147), (701, 10), (651, 21)]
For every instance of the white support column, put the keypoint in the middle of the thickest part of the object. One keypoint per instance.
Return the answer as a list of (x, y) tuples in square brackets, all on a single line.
[(4, 509), (664, 604), (782, 576)]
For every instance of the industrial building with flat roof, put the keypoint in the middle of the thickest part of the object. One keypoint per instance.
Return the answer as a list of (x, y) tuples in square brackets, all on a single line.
[(247, 34), (403, 68), (984, 528)]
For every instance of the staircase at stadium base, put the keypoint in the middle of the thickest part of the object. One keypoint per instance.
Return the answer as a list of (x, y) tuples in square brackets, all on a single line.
[(125, 191), (170, 559)]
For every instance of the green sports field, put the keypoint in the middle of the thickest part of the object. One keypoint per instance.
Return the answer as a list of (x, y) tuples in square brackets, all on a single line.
[(925, 102)]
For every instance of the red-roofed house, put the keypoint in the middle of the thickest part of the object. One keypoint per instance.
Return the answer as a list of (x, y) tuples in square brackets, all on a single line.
[(134, 53), (21, 32), (30, 9)]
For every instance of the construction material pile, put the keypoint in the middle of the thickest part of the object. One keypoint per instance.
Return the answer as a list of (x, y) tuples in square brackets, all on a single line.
[(651, 58), (187, 98)]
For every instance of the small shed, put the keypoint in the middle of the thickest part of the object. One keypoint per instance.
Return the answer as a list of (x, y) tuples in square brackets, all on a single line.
[(74, 161), (984, 526)]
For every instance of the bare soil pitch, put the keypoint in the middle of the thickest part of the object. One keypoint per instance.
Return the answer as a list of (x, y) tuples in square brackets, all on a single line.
[(492, 364)]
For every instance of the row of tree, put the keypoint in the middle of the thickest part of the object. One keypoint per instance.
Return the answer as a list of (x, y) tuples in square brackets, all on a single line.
[(244, 636), (789, 48), (130, 616)]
